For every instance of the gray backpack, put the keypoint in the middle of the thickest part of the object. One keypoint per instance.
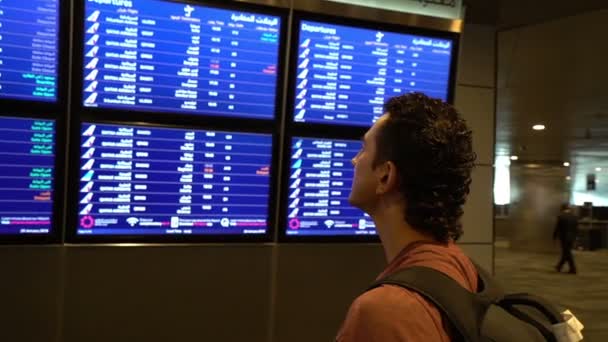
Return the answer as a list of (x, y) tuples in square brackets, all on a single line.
[(489, 315)]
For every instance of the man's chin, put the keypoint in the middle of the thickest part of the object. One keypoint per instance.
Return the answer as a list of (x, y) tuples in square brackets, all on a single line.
[(361, 205), (353, 202)]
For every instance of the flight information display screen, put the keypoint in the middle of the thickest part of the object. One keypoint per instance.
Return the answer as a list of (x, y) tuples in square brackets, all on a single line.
[(345, 74), (320, 181), (27, 161), (174, 57), (29, 49), (137, 180)]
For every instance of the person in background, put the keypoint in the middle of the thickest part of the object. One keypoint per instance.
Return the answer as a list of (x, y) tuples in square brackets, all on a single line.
[(566, 231), (412, 176)]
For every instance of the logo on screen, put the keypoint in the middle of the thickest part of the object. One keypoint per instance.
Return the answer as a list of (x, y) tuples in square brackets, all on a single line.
[(188, 10), (132, 221), (294, 223), (87, 222)]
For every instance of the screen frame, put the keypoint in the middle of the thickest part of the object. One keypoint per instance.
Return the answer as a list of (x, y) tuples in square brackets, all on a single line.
[(313, 132), (299, 16), (78, 65), (74, 186), (63, 55), (57, 219)]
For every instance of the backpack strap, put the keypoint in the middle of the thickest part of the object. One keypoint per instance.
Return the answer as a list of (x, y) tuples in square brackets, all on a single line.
[(545, 331), (487, 286), (463, 309), (539, 304)]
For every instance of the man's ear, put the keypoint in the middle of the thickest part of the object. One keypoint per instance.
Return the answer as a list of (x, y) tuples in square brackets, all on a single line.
[(387, 177)]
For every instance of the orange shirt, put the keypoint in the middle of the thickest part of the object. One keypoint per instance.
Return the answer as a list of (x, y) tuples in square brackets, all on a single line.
[(390, 313)]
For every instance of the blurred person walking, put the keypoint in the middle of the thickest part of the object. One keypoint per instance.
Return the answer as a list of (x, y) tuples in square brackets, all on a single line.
[(566, 231)]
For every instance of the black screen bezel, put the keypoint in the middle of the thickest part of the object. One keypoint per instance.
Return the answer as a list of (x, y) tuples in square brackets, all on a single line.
[(183, 120), (57, 224), (299, 16), (78, 64), (74, 186), (56, 111)]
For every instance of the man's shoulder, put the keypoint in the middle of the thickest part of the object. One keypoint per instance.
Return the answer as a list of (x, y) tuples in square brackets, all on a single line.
[(448, 259), (391, 313), (388, 298)]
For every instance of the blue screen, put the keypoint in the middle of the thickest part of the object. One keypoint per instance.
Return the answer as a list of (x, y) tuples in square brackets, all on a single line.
[(320, 181), (174, 57), (345, 74), (28, 49), (27, 161), (137, 180)]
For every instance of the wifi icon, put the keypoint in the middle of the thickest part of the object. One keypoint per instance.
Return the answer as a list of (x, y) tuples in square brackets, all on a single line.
[(132, 221)]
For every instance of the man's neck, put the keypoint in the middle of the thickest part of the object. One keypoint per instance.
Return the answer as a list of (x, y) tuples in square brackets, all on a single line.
[(395, 233)]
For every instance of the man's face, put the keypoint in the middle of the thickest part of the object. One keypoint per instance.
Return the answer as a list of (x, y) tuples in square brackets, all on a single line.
[(363, 194)]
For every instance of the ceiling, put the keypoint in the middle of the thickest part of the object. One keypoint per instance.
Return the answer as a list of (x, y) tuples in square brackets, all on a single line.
[(555, 73), (506, 14), (552, 69)]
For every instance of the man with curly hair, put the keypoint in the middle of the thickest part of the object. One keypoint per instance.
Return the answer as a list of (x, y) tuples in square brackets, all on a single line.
[(412, 176)]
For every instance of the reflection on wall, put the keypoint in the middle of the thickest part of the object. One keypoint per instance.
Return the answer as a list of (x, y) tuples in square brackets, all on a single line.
[(587, 168), (580, 194), (560, 83), (532, 214), (502, 180)]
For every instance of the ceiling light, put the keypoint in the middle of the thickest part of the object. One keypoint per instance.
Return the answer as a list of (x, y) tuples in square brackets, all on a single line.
[(566, 164), (598, 169), (568, 178), (538, 127), (514, 157)]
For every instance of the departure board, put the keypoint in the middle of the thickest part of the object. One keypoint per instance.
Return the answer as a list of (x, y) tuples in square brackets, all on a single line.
[(319, 186), (28, 49), (27, 160), (345, 74), (137, 180), (174, 57)]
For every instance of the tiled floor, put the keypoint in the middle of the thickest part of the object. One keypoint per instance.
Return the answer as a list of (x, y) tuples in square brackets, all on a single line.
[(585, 294)]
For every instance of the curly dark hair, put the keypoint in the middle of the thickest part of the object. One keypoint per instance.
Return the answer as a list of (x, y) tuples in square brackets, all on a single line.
[(431, 146)]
